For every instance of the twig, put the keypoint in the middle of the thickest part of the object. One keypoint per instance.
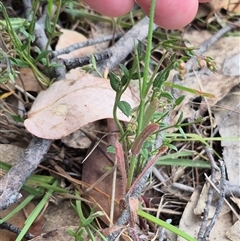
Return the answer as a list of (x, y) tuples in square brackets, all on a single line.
[(214, 168), (27, 5), (220, 201), (182, 187), (89, 42), (78, 62), (14, 229), (226, 201), (13, 181)]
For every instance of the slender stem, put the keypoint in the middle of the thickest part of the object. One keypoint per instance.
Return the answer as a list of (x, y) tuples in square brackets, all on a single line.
[(133, 161), (144, 89)]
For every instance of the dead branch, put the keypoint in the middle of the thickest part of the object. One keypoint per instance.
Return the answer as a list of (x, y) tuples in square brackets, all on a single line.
[(13, 181), (89, 42)]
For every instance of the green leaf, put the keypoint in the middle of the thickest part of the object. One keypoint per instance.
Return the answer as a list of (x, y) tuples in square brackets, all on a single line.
[(18, 62), (193, 91), (115, 82), (48, 24), (183, 163), (111, 149), (124, 69), (166, 225), (161, 77), (180, 118), (42, 55), (136, 76), (179, 100), (124, 80), (144, 153), (182, 132), (24, 46), (167, 95), (125, 107), (170, 146), (17, 118), (71, 232)]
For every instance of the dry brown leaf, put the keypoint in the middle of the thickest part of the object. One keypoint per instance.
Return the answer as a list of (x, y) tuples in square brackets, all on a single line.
[(93, 168), (29, 80), (68, 105)]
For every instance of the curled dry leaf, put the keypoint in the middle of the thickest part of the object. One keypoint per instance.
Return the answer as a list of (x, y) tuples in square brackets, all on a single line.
[(68, 105)]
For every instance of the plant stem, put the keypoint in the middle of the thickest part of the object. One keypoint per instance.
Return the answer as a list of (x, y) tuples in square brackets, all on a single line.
[(133, 161), (144, 85)]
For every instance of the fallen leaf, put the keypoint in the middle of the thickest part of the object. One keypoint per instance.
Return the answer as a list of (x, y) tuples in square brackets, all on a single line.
[(94, 168), (68, 105), (233, 232)]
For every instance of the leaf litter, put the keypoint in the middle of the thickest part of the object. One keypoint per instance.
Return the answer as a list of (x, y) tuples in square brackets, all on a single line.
[(69, 105)]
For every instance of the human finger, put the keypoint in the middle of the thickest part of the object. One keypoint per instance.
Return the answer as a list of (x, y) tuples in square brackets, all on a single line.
[(111, 8), (172, 14)]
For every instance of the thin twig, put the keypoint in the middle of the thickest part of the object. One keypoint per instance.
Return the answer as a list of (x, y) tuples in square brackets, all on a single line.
[(89, 42), (226, 201), (220, 201), (10, 227), (78, 62), (214, 168)]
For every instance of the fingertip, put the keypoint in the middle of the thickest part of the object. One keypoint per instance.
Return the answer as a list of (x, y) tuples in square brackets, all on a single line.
[(172, 14), (111, 8)]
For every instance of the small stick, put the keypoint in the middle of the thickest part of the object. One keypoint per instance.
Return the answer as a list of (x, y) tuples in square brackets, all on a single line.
[(220, 201), (10, 227), (83, 44), (78, 62)]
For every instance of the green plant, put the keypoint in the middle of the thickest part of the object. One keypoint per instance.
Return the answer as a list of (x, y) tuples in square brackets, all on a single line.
[(85, 226), (146, 124)]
